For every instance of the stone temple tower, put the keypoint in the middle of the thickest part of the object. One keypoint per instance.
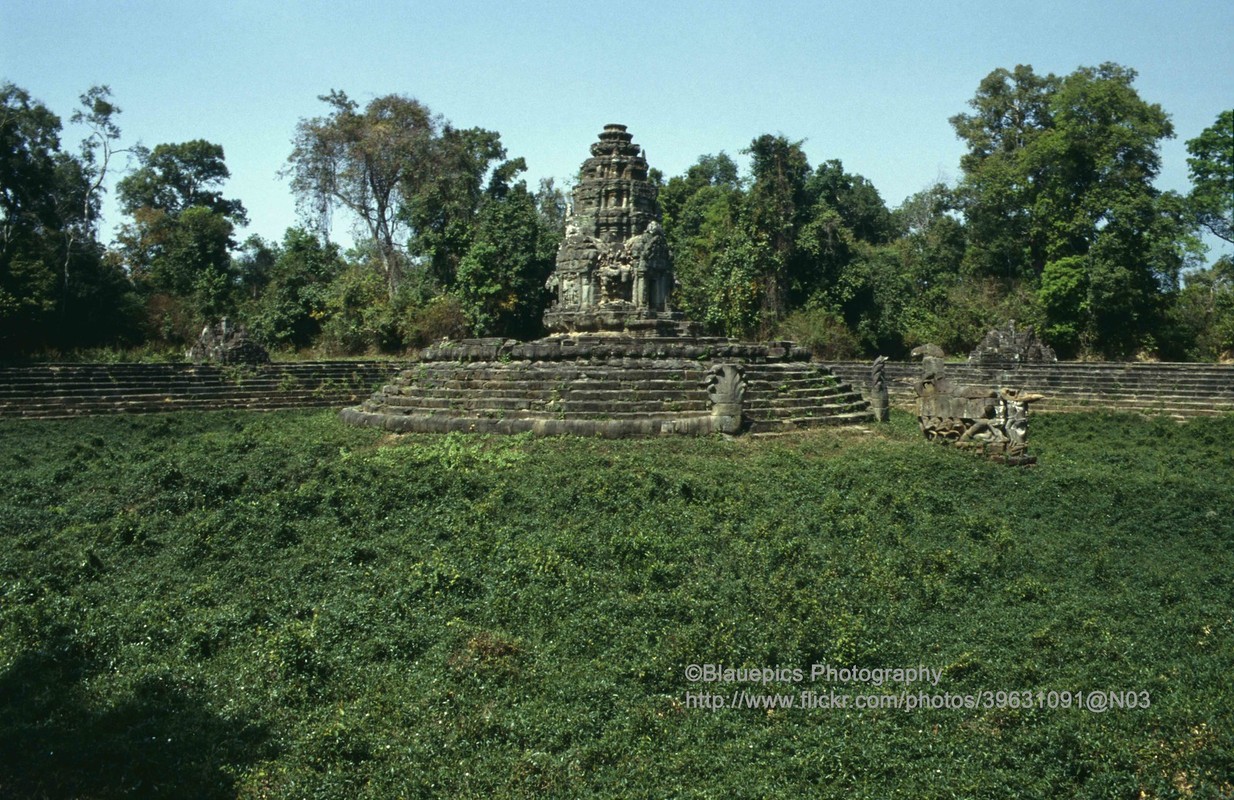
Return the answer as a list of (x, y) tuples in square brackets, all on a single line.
[(618, 361), (613, 269)]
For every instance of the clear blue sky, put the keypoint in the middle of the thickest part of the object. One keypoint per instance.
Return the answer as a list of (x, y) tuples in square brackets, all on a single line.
[(871, 83)]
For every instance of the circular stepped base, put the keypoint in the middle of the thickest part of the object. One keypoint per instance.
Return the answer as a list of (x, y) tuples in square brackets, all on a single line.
[(608, 386)]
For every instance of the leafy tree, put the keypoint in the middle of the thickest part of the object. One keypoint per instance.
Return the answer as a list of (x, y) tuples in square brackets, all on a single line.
[(551, 203), (501, 278), (175, 177), (931, 245), (56, 287), (370, 163), (295, 300), (359, 312), (855, 199), (846, 221), (1064, 295), (775, 209), (30, 181), (253, 265), (715, 266), (1205, 311), (98, 114), (1059, 179), (719, 171), (745, 259), (444, 201), (181, 237), (1212, 176), (191, 258), (733, 285), (1011, 111)]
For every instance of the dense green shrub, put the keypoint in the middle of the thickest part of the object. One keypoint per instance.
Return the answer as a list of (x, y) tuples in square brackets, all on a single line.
[(822, 332), (276, 605)]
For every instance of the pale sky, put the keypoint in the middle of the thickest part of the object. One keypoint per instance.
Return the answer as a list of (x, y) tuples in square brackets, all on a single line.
[(872, 83)]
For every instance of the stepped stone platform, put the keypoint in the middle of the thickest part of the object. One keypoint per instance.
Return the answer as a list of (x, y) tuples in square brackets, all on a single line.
[(1179, 390), (619, 361), (612, 386), (68, 390)]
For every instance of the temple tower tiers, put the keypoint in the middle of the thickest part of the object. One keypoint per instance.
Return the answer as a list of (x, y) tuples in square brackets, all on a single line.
[(613, 268)]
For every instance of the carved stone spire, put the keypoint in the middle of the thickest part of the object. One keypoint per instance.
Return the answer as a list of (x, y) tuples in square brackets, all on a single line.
[(613, 269)]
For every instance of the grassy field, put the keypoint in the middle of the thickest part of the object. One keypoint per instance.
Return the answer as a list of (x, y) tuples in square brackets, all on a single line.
[(277, 605)]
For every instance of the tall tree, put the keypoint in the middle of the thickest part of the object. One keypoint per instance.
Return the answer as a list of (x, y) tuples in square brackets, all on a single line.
[(552, 205), (1011, 111), (1058, 192), (55, 285), (776, 207), (98, 114), (715, 265), (718, 171), (30, 182), (182, 232), (854, 198), (294, 302), (1212, 176), (367, 162), (466, 168), (501, 278)]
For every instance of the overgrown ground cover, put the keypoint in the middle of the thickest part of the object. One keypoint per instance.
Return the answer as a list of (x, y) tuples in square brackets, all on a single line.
[(276, 605)]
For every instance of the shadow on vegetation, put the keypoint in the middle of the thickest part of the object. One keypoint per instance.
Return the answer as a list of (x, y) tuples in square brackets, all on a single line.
[(155, 741)]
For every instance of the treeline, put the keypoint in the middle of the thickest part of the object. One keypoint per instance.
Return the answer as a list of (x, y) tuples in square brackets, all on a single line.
[(1055, 222)]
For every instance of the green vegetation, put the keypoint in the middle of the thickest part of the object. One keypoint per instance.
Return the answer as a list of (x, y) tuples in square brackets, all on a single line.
[(277, 605), (1056, 221)]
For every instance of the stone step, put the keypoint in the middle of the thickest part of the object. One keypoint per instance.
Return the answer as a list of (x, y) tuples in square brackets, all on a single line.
[(479, 378), (817, 410), (493, 413), (199, 394), (35, 408), (77, 411), (796, 423), (514, 385), (791, 385), (567, 405), (154, 372), (780, 407)]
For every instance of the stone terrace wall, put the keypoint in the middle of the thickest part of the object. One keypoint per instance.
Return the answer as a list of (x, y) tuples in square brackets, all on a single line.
[(1179, 390), (68, 390)]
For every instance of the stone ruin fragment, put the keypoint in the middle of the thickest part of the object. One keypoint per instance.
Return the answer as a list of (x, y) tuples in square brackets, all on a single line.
[(1004, 348), (225, 342), (880, 403), (992, 421)]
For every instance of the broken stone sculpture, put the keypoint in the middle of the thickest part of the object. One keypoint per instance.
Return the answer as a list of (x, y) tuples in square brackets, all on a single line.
[(994, 421)]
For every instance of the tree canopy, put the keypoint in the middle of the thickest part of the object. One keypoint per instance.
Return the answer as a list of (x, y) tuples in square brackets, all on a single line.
[(1057, 221), (175, 177), (1212, 176)]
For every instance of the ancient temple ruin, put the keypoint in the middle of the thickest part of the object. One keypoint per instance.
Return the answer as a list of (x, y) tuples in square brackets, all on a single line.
[(618, 361), (613, 269)]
